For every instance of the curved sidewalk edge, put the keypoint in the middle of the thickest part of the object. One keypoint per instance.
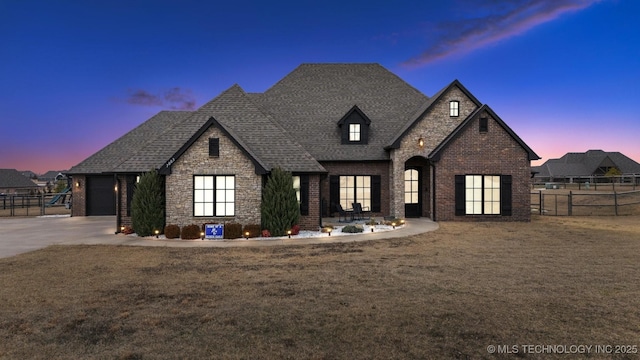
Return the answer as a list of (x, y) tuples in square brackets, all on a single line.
[(411, 227)]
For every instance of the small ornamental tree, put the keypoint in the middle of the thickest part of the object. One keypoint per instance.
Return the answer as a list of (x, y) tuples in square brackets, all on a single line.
[(147, 205), (280, 209)]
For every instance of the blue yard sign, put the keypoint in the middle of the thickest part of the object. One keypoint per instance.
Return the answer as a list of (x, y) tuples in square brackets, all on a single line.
[(214, 231)]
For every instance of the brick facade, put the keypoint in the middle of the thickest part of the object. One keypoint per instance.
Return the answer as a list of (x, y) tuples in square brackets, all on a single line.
[(79, 196), (434, 126), (493, 152), (312, 221), (196, 161), (358, 168)]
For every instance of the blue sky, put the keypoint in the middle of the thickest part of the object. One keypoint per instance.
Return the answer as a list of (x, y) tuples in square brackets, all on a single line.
[(76, 75)]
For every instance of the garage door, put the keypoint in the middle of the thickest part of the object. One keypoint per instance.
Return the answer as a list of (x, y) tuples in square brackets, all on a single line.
[(101, 197)]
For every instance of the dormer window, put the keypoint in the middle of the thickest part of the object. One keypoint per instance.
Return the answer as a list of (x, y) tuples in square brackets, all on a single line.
[(454, 108), (354, 127), (354, 132)]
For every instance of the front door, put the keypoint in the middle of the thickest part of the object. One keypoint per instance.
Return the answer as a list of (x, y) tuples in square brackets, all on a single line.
[(412, 192)]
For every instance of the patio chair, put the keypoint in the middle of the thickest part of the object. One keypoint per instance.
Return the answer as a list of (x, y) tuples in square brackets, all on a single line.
[(359, 213), (342, 213)]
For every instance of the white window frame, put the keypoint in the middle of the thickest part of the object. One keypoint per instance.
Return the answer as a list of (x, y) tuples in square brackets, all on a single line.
[(296, 187), (454, 108), (411, 183), (214, 195), (355, 134)]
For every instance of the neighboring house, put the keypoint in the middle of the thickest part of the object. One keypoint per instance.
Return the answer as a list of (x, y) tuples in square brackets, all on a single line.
[(588, 165), (52, 176), (349, 133), (13, 182)]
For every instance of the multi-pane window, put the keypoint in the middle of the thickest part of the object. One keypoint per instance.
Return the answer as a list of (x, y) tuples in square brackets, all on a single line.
[(355, 189), (454, 107), (411, 186), (354, 132), (482, 194), (214, 195)]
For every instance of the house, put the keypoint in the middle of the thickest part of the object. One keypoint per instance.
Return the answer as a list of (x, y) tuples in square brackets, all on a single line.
[(13, 182), (588, 166), (349, 133)]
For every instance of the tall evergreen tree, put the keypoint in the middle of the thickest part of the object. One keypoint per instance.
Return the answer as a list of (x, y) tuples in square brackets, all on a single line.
[(147, 206), (280, 209)]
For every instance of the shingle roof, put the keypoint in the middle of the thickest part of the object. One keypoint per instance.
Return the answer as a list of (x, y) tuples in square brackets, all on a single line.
[(12, 178), (263, 140), (310, 101), (586, 164), (136, 151)]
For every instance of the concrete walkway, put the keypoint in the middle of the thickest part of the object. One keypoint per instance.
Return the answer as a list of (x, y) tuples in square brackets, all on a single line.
[(20, 235)]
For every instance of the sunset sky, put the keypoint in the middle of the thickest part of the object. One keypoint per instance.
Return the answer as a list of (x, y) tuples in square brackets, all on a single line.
[(76, 75)]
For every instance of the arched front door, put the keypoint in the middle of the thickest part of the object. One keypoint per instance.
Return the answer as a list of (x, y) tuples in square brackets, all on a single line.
[(412, 192)]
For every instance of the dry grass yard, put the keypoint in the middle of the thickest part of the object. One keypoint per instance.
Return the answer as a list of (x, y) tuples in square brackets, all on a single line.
[(446, 294)]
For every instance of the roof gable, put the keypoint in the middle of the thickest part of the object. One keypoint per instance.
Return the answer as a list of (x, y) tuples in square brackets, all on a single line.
[(262, 140), (437, 152), (355, 109), (425, 108)]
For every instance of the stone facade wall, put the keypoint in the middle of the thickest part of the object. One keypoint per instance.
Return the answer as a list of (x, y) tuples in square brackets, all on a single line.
[(493, 152), (79, 198), (196, 161), (433, 127), (359, 168)]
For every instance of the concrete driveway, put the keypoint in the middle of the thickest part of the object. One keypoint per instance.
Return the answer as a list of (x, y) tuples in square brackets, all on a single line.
[(20, 235), (23, 234)]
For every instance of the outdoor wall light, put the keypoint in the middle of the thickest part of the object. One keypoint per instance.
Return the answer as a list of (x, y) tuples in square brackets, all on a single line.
[(78, 184), (157, 232), (115, 188), (421, 142), (289, 233)]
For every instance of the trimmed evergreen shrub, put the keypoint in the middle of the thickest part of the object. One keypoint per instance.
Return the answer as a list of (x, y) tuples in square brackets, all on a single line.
[(190, 232), (352, 229), (147, 205), (232, 231), (254, 230), (279, 209), (172, 231)]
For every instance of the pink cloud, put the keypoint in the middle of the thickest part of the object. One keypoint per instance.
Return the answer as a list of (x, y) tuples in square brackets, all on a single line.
[(466, 35)]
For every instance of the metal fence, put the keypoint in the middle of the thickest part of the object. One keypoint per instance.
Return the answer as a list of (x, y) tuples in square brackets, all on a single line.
[(568, 203), (35, 205)]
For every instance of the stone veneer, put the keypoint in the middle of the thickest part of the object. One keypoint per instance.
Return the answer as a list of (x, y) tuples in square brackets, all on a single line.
[(493, 152), (433, 127), (196, 161)]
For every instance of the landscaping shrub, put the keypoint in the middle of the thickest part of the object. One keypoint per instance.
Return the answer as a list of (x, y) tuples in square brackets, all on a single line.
[(127, 230), (295, 229), (266, 233), (390, 222), (190, 232), (232, 231), (254, 230), (352, 229), (172, 231), (280, 209), (147, 205)]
